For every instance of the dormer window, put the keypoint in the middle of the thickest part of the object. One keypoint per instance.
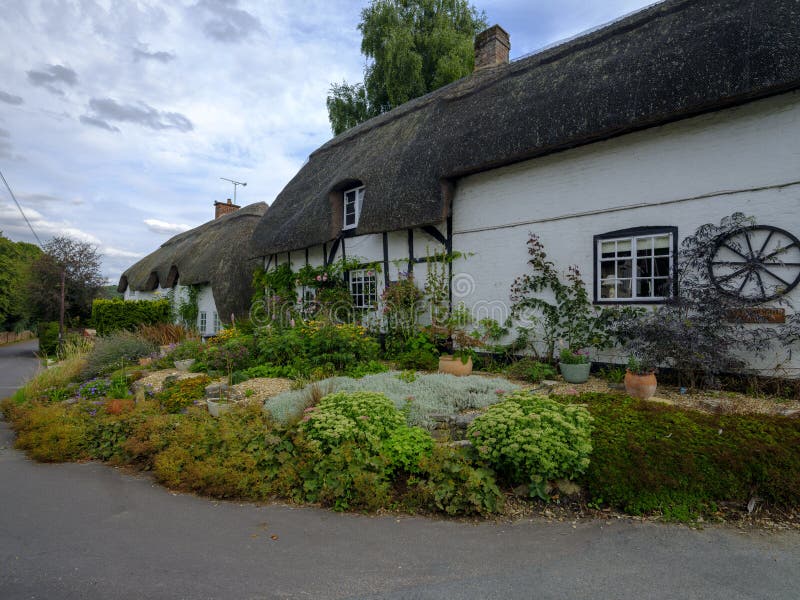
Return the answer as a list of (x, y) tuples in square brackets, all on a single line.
[(353, 199)]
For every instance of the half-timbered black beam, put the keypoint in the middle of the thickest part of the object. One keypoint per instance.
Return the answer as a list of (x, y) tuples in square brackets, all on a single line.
[(435, 234)]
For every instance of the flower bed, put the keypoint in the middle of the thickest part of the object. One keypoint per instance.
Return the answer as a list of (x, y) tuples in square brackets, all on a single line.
[(420, 395)]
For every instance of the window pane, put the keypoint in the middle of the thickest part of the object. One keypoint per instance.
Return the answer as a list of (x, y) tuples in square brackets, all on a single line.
[(644, 246), (624, 248), (607, 249), (624, 288), (625, 268), (643, 289), (607, 288), (662, 266), (662, 245), (607, 269), (662, 288), (643, 267)]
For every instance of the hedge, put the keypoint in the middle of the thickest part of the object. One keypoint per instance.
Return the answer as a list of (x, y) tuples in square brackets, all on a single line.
[(48, 337), (112, 315)]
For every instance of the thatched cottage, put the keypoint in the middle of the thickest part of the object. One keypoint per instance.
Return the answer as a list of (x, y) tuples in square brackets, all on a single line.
[(614, 144), (212, 258)]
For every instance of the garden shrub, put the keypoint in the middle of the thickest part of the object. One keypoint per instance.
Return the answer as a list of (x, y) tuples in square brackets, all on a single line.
[(230, 355), (113, 351), (51, 432), (531, 370), (649, 457), (109, 316), (406, 446), (271, 371), (48, 337), (423, 396), (239, 455), (366, 418), (317, 345), (449, 482), (163, 334), (180, 394), (531, 439)]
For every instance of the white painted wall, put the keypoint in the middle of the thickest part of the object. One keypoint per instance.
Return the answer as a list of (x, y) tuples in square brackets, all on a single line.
[(744, 159)]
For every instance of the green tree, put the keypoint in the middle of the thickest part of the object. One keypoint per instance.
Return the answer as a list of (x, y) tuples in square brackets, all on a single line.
[(413, 47), (15, 262), (81, 262)]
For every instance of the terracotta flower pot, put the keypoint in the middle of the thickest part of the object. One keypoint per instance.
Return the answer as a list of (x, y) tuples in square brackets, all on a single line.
[(640, 386), (454, 366)]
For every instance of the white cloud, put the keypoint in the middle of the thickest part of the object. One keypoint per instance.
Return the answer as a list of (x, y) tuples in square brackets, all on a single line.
[(163, 227)]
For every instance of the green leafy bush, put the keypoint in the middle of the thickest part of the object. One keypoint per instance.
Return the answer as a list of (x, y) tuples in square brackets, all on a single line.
[(531, 370), (182, 393), (48, 337), (531, 439), (406, 446), (112, 315), (114, 350), (235, 354), (271, 371), (649, 457), (366, 418), (423, 396), (449, 482), (318, 347)]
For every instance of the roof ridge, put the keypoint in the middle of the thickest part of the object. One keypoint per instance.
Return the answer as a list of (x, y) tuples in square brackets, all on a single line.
[(549, 54)]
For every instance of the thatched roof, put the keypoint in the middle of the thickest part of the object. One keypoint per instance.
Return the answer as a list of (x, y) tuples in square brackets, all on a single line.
[(217, 253), (673, 60)]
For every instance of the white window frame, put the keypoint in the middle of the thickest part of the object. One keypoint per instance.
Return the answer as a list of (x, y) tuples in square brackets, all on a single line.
[(216, 323), (635, 237), (352, 198), (202, 317), (369, 300)]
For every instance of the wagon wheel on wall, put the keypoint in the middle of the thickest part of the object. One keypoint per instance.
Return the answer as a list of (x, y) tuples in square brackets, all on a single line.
[(757, 264)]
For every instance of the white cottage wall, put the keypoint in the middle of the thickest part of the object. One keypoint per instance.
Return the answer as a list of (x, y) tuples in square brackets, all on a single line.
[(685, 174)]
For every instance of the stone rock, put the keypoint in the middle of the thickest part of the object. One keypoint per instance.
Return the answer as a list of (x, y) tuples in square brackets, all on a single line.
[(660, 400), (522, 491), (170, 379), (567, 487), (792, 413), (460, 444), (712, 404), (441, 435), (463, 421), (440, 418), (223, 390)]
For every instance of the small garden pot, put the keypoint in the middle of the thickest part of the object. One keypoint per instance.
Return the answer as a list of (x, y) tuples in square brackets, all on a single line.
[(184, 365), (215, 409), (575, 373), (454, 366), (640, 386)]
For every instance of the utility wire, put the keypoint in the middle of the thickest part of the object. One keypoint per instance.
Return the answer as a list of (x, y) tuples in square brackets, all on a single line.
[(22, 212)]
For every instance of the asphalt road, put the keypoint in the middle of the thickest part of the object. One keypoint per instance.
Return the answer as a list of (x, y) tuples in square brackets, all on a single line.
[(87, 531), (17, 364)]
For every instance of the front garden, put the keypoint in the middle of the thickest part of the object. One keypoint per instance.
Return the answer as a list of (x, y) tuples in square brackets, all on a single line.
[(305, 408)]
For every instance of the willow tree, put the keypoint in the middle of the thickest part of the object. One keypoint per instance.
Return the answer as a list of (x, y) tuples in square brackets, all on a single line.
[(412, 47)]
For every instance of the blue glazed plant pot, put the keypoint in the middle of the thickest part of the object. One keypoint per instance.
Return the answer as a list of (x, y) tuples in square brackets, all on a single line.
[(575, 373)]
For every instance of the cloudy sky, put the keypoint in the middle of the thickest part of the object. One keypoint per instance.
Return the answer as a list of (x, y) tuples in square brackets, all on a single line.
[(118, 118)]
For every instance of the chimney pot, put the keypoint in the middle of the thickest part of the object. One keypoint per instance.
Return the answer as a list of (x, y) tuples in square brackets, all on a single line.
[(492, 47), (229, 200)]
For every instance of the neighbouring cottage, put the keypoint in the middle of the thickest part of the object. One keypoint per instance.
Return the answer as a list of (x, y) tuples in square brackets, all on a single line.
[(613, 145), (209, 264)]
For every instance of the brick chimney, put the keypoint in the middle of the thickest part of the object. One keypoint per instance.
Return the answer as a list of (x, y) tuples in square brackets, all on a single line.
[(224, 208), (491, 48)]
